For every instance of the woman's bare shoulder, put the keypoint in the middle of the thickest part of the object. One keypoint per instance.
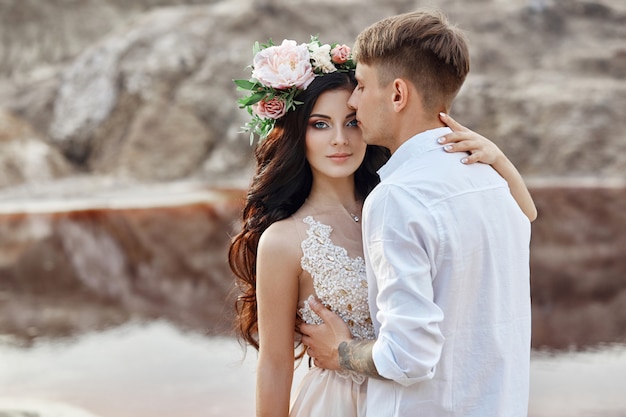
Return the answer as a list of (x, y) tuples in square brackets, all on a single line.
[(282, 238)]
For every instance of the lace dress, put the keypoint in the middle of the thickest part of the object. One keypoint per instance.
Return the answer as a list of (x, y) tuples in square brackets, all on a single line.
[(340, 283)]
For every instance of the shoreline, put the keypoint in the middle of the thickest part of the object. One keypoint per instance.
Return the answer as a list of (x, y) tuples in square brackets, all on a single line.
[(84, 194), (106, 193)]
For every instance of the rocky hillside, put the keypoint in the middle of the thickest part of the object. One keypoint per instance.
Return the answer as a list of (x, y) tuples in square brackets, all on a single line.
[(144, 92), (125, 99)]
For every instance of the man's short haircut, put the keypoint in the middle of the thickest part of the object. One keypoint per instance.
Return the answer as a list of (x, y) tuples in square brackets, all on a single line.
[(422, 47)]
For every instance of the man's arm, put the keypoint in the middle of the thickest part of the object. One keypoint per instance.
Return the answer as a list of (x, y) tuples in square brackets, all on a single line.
[(356, 355), (331, 346)]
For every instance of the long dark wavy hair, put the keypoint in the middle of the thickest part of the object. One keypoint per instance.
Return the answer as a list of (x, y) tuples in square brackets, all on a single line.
[(281, 184)]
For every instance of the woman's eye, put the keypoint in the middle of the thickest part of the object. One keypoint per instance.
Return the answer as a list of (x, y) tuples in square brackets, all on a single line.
[(353, 123), (320, 124)]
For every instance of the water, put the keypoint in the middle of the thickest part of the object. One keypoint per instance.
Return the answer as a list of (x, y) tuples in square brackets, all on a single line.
[(155, 369), (94, 295), (136, 370), (579, 384)]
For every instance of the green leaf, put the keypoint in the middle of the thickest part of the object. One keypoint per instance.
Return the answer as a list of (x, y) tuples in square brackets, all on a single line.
[(315, 39), (250, 100), (246, 84)]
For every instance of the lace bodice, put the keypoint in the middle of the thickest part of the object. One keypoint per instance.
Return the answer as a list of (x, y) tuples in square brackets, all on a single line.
[(339, 280)]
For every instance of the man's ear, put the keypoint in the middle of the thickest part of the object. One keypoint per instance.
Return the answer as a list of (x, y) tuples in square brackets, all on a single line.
[(400, 93)]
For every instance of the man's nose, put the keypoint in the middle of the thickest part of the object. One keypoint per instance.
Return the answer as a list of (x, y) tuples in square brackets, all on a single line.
[(352, 101)]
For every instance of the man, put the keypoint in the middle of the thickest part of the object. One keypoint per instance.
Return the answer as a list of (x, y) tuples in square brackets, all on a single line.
[(446, 245)]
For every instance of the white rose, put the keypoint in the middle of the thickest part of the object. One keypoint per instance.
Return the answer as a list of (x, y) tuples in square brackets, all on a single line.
[(321, 57)]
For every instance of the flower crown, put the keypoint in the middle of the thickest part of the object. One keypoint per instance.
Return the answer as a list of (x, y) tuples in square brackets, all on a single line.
[(280, 73)]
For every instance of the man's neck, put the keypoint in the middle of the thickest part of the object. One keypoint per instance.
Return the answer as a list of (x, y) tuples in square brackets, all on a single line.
[(413, 130)]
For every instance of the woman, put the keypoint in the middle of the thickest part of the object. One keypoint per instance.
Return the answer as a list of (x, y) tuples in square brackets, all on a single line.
[(301, 234)]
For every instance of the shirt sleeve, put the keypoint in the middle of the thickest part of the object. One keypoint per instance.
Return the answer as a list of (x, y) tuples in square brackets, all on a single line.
[(402, 238)]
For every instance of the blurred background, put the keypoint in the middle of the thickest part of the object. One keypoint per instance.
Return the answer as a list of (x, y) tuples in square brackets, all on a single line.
[(122, 175)]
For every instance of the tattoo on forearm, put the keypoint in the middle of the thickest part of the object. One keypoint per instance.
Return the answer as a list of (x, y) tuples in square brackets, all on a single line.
[(356, 355)]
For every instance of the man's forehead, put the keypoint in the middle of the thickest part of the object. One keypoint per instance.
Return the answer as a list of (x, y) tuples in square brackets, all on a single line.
[(363, 71)]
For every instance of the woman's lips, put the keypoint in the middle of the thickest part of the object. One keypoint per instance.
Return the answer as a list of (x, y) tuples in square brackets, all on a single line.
[(339, 157)]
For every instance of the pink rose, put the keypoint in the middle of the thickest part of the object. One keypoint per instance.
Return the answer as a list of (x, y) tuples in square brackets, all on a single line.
[(284, 66), (340, 54), (271, 109)]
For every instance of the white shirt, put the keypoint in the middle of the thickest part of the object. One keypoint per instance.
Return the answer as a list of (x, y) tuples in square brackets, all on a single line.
[(447, 258)]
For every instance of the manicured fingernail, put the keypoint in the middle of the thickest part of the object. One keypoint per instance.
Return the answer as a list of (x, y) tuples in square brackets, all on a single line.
[(464, 160), (311, 299), (441, 140), (448, 147), (442, 114)]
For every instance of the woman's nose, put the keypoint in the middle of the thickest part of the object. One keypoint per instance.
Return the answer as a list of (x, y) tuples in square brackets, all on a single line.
[(340, 138)]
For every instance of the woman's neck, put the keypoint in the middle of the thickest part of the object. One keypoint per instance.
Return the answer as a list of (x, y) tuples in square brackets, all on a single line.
[(340, 192)]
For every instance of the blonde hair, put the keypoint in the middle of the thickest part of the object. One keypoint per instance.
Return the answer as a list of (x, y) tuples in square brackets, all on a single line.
[(422, 47)]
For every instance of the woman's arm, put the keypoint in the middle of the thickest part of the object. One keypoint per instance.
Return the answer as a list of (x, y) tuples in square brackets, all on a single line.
[(483, 150), (278, 268)]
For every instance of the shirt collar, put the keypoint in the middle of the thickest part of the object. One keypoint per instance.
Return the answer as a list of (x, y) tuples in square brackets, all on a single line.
[(420, 143)]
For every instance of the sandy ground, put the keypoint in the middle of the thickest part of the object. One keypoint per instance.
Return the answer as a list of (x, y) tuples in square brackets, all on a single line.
[(156, 370)]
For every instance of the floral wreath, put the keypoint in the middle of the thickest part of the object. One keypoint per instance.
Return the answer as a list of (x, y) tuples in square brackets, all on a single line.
[(280, 73)]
